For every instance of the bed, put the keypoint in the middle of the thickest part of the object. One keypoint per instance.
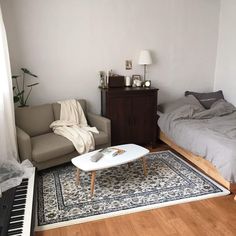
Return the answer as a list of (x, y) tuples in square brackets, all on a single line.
[(206, 136)]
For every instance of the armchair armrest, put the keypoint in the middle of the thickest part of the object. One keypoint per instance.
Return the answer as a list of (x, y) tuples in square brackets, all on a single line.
[(100, 122), (24, 144)]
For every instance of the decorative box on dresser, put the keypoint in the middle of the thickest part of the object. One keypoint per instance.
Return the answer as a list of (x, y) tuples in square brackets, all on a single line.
[(132, 111)]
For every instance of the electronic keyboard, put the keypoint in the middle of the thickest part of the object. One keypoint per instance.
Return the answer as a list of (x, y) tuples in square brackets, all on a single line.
[(17, 209)]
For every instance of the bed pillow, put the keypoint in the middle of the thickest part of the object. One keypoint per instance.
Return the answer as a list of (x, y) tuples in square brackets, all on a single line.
[(171, 106), (223, 107), (206, 99), (218, 108)]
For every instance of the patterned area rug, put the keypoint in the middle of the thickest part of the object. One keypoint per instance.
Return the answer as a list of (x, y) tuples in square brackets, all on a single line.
[(119, 190)]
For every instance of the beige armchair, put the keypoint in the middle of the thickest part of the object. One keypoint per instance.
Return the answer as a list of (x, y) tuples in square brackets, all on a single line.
[(41, 146)]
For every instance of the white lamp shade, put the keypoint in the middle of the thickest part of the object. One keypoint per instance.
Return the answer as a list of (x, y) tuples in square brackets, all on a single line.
[(145, 58)]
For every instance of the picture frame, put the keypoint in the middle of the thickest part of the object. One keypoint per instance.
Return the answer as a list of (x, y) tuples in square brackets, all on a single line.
[(128, 64), (137, 80), (138, 77)]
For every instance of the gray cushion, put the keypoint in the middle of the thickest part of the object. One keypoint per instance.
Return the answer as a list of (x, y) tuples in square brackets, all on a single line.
[(206, 99), (57, 108), (171, 106), (101, 138), (35, 120), (49, 146)]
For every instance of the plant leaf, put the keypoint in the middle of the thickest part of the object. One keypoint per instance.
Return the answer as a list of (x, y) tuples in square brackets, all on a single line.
[(31, 85), (26, 71), (15, 76), (16, 99), (19, 94), (34, 75)]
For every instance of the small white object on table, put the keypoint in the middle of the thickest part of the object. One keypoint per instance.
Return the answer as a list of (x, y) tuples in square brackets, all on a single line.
[(132, 153)]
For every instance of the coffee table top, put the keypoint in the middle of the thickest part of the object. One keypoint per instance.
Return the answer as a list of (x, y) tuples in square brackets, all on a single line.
[(132, 152)]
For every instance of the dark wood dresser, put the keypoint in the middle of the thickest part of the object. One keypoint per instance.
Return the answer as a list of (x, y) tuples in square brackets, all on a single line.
[(133, 114)]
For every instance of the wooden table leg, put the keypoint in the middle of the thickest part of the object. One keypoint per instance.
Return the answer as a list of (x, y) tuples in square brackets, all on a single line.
[(77, 176), (93, 174), (144, 166)]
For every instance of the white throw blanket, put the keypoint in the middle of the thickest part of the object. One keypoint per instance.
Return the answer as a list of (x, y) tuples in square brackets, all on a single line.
[(73, 126)]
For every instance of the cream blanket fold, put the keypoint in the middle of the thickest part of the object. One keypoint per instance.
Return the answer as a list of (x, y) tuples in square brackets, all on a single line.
[(73, 126)]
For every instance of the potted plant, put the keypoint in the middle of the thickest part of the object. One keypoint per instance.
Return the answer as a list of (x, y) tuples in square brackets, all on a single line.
[(20, 94)]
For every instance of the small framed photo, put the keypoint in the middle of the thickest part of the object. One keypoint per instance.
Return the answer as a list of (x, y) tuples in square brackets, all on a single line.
[(128, 64), (137, 81), (138, 77)]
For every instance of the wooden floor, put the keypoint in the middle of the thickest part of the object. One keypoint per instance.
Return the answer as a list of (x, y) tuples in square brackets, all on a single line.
[(215, 216)]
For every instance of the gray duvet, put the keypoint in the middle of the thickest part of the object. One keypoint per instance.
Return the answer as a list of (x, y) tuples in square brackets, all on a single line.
[(207, 133)]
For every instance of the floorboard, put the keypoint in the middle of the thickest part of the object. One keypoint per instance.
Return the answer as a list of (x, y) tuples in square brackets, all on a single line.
[(215, 216)]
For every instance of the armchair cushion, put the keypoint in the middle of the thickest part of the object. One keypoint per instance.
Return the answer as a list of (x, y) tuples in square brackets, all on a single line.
[(49, 146), (57, 108), (35, 120)]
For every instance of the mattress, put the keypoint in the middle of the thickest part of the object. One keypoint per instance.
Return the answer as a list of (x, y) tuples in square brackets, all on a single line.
[(210, 134)]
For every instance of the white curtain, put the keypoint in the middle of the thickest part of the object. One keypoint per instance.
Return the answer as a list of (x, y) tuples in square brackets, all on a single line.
[(11, 172), (8, 148)]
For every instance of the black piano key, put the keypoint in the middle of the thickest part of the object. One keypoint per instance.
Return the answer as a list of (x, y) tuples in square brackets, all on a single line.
[(22, 185), (14, 232), (21, 192), (21, 188), (17, 202), (24, 181), (16, 225), (17, 218), (20, 197), (18, 213), (18, 207)]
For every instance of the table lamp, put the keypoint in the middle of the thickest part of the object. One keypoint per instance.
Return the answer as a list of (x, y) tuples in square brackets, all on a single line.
[(145, 59)]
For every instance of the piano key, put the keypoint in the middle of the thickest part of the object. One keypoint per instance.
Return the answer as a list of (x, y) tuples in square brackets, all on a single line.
[(28, 208), (14, 219), (14, 222), (20, 196), (21, 188), (23, 184), (18, 207), (18, 202), (15, 225), (14, 232), (20, 192), (18, 213)]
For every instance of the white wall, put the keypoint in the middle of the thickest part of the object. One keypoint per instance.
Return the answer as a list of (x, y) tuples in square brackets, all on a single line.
[(225, 77), (67, 42)]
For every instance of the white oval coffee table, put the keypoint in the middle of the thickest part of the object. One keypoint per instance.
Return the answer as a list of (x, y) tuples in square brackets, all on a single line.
[(132, 153)]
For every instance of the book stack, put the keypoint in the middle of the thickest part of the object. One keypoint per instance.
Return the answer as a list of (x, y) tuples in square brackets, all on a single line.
[(105, 152)]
